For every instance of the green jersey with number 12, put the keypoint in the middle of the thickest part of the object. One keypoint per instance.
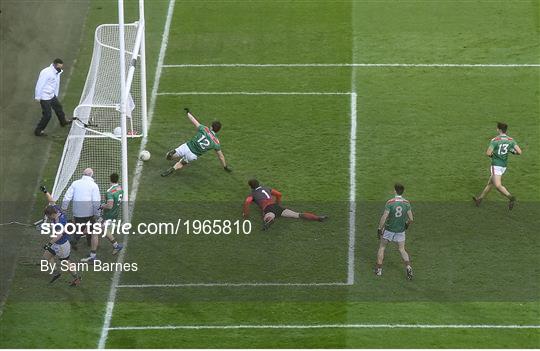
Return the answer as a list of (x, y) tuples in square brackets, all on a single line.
[(205, 140), (501, 146), (397, 208)]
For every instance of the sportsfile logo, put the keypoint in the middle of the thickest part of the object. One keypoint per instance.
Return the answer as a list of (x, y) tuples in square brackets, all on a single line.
[(187, 227)]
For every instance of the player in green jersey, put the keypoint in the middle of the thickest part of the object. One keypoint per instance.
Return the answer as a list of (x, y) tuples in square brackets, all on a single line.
[(395, 220), (206, 139), (498, 150), (110, 212)]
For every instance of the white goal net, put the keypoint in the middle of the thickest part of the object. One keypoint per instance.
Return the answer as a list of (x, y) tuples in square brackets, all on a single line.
[(94, 138)]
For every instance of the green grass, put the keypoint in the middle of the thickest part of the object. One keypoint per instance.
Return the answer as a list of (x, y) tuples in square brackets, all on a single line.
[(425, 127)]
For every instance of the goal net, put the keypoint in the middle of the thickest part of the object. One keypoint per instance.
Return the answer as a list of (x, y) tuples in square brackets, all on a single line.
[(94, 139)]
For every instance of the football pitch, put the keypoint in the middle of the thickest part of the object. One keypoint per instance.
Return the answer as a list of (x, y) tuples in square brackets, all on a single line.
[(331, 103)]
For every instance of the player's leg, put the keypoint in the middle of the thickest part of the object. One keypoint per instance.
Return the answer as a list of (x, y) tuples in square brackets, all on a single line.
[(497, 182), (268, 220), (94, 243), (288, 213), (59, 111), (380, 256), (109, 235), (46, 114), (49, 255), (487, 189), (406, 258), (185, 156)]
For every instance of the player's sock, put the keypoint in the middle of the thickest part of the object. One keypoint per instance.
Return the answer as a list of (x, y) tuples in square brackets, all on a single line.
[(512, 201), (167, 172), (310, 216), (114, 243), (92, 254)]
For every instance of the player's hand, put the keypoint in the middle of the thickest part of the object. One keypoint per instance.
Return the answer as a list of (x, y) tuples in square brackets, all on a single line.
[(227, 169), (43, 189), (186, 109)]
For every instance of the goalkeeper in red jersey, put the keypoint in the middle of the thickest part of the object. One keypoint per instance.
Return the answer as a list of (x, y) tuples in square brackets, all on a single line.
[(271, 209)]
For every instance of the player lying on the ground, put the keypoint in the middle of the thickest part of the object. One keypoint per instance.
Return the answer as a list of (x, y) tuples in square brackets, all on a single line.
[(498, 150), (206, 139), (271, 208), (110, 211), (58, 246), (395, 220)]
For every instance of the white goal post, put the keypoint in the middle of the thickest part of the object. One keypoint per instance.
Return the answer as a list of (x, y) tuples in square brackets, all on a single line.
[(112, 109)]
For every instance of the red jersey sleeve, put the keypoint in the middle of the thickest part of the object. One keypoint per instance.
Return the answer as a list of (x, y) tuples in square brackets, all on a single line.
[(247, 202), (277, 194)]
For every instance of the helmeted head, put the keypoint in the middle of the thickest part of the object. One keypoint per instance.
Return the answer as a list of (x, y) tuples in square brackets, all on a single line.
[(253, 183), (216, 126)]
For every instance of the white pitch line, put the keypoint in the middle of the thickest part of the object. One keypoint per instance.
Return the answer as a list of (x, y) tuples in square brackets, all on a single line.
[(352, 193), (329, 326), (184, 285), (136, 178), (252, 93), (441, 65)]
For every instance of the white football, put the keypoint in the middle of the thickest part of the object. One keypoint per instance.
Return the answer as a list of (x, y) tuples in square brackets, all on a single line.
[(117, 131), (144, 155)]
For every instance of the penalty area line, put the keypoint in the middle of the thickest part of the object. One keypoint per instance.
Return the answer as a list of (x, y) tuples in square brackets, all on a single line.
[(331, 326), (365, 65), (251, 93)]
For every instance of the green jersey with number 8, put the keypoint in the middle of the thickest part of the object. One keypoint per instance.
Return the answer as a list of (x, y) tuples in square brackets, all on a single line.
[(205, 140), (397, 208), (501, 146)]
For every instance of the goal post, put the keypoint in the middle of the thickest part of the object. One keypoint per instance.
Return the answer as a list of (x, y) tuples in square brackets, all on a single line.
[(112, 109)]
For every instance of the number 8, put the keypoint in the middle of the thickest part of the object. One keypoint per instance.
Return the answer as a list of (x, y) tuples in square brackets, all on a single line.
[(399, 211)]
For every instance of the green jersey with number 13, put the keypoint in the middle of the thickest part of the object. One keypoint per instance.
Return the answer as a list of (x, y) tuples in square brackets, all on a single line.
[(501, 146), (205, 140), (397, 208)]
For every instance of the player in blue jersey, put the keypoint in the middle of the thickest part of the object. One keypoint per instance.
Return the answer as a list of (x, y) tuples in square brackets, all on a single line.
[(58, 246)]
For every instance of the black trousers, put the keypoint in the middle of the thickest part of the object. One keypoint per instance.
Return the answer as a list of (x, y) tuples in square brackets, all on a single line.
[(46, 106)]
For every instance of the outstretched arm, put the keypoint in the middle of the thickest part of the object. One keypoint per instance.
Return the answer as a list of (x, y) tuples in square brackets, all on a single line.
[(48, 195), (192, 118), (221, 158)]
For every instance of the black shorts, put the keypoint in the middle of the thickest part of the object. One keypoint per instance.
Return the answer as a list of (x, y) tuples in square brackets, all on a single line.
[(83, 220), (275, 209)]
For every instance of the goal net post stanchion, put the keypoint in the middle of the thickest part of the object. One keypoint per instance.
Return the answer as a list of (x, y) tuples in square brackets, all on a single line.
[(123, 115)]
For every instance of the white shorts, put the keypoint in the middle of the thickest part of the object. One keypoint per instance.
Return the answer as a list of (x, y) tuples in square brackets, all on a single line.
[(62, 251), (396, 237), (497, 170), (185, 153)]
